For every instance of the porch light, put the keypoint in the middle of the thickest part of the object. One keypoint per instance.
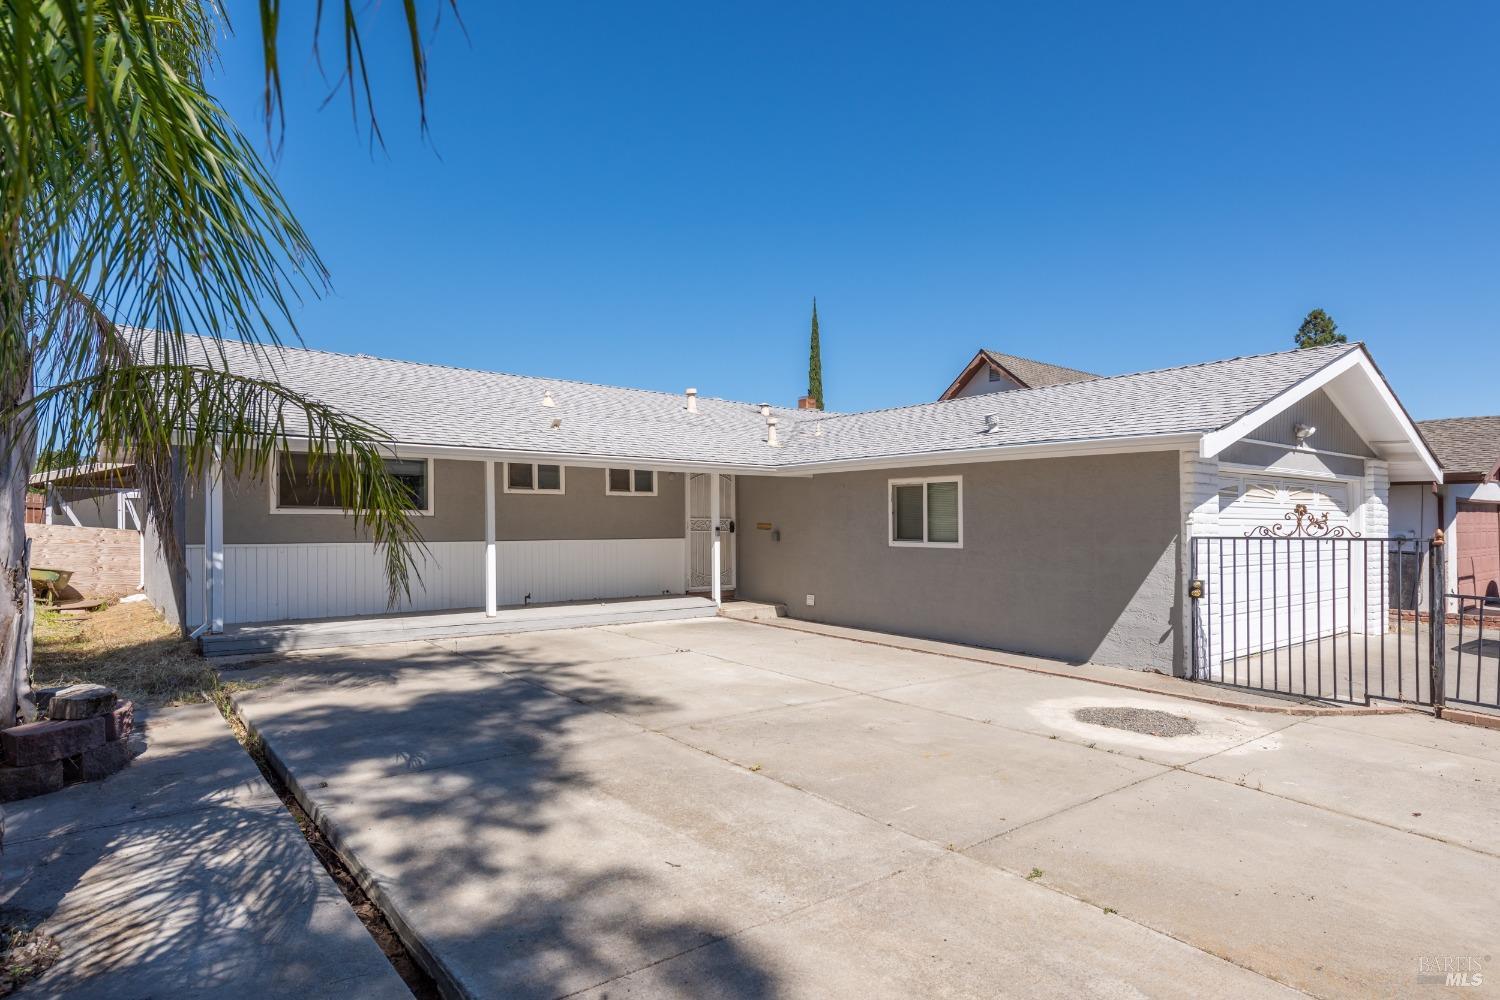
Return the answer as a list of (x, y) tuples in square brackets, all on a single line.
[(1303, 431)]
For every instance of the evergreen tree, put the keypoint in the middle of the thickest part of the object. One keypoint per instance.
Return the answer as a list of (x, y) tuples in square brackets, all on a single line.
[(1319, 330), (815, 362)]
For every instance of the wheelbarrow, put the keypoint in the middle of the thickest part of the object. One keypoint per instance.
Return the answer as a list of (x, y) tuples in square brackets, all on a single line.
[(51, 582)]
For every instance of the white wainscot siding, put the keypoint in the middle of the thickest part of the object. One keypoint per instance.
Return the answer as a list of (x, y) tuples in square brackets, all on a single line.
[(332, 580)]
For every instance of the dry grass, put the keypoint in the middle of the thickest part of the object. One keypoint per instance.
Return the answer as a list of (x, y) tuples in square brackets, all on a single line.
[(25, 953), (128, 647)]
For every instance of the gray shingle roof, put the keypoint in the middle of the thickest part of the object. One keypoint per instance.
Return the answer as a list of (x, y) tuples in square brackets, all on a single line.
[(425, 404), (1464, 445), (1037, 374)]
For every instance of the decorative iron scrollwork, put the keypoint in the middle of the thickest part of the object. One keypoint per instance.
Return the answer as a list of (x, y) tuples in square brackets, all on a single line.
[(1307, 525)]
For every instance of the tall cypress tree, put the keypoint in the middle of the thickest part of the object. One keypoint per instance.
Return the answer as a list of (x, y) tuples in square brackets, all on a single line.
[(815, 361)]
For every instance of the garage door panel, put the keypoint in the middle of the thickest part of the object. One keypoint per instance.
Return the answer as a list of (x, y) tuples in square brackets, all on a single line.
[(1269, 592)]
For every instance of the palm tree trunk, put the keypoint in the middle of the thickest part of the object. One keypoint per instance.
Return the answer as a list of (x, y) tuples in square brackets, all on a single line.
[(17, 438)]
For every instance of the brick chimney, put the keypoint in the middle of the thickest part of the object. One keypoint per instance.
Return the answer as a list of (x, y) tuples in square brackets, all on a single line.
[(807, 403)]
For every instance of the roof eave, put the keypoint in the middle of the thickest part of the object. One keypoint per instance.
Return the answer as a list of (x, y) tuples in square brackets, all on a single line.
[(1357, 357)]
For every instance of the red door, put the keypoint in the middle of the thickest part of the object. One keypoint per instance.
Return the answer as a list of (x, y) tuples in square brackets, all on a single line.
[(1479, 549)]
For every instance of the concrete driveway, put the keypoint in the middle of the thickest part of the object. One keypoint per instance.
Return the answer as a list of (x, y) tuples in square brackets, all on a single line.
[(722, 809)]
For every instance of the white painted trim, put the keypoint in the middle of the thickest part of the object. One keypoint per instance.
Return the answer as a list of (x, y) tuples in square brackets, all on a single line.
[(1216, 441), (490, 570), (890, 499), (1306, 449), (562, 480), (632, 492), (276, 508), (1242, 468), (715, 552), (213, 547), (67, 508), (960, 456)]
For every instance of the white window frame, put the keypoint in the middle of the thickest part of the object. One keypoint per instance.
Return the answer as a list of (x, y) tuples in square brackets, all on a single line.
[(632, 492), (275, 478), (562, 479), (923, 481)]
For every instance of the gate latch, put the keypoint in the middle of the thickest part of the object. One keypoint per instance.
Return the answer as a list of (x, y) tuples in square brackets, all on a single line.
[(1195, 589)]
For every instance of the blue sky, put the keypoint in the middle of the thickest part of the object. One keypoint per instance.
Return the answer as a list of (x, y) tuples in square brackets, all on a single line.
[(651, 194)]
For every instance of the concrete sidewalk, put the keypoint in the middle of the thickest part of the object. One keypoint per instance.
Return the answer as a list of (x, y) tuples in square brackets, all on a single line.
[(183, 876)]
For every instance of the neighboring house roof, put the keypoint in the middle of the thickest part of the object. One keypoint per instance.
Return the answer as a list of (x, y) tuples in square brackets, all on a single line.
[(1027, 373), (1467, 447), (1037, 374), (425, 405), (107, 474)]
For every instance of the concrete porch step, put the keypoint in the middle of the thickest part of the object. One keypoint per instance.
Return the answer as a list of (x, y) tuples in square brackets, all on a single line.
[(752, 611), (286, 636)]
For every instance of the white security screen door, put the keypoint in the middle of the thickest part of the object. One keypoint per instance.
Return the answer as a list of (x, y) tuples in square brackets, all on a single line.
[(700, 531)]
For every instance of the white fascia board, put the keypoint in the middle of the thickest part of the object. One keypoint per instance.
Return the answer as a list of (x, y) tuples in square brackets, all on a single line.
[(1215, 442), (412, 449), (990, 453), (997, 453)]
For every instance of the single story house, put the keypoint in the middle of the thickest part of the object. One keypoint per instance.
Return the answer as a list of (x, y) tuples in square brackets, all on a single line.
[(1052, 520), (1464, 502)]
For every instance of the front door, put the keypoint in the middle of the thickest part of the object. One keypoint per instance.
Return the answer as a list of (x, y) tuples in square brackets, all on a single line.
[(700, 532)]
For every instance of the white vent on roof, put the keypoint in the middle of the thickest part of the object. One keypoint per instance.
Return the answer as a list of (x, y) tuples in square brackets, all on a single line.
[(765, 409), (991, 423), (692, 400), (771, 433), (547, 399)]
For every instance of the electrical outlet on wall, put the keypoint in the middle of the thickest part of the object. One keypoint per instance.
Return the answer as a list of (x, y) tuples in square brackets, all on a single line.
[(809, 600)]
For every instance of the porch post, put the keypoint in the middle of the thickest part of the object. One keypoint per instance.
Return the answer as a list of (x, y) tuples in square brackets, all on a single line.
[(714, 554), (489, 538), (48, 515), (213, 544)]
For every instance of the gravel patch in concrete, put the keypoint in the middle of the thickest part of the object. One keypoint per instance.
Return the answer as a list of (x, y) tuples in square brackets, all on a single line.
[(1147, 721)]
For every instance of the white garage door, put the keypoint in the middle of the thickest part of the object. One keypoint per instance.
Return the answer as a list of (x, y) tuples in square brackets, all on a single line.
[(1281, 591)]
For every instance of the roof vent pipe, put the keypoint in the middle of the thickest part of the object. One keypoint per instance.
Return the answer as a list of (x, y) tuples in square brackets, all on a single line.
[(692, 400), (765, 409), (547, 399), (991, 423), (771, 433)]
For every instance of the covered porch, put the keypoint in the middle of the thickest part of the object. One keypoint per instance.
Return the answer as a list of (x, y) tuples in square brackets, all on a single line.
[(266, 574), (370, 630)]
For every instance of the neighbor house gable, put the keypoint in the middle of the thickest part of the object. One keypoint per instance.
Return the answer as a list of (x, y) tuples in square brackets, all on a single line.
[(993, 371)]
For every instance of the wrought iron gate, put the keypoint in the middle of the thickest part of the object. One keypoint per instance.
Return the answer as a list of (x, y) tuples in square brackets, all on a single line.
[(1304, 609)]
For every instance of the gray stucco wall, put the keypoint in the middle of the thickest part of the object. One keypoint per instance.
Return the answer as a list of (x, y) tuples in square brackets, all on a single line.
[(457, 491), (584, 511), (1073, 558)]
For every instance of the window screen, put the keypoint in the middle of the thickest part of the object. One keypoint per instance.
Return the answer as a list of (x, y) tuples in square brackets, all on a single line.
[(942, 512), (549, 477), (519, 476), (645, 481), (619, 480)]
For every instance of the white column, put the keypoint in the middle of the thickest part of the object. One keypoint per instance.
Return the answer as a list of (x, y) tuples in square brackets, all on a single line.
[(489, 539), (1450, 548), (213, 545), (714, 562), (48, 515)]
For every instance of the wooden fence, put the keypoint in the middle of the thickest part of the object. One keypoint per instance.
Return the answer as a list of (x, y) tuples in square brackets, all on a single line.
[(105, 562)]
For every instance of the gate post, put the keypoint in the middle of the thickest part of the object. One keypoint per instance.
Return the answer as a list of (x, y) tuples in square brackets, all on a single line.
[(1437, 610)]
